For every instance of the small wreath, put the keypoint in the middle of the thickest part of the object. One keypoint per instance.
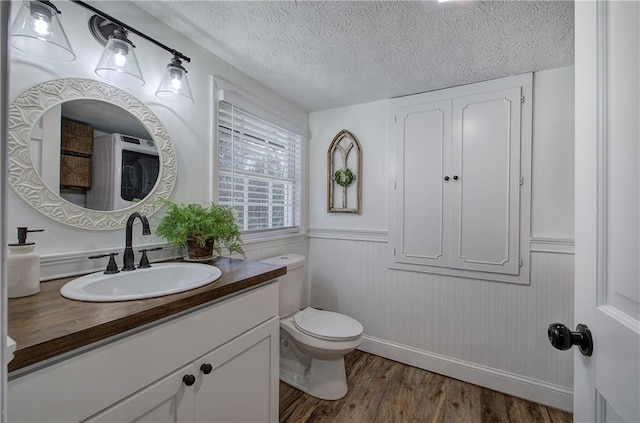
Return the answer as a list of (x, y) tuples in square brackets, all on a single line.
[(344, 177)]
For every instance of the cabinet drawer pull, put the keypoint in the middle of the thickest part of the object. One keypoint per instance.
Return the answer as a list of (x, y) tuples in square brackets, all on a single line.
[(189, 380), (455, 177), (206, 368), (446, 178)]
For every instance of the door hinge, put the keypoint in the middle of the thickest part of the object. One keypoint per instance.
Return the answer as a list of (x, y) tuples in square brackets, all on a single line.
[(521, 180), (395, 119), (520, 262), (521, 99), (394, 251), (395, 184)]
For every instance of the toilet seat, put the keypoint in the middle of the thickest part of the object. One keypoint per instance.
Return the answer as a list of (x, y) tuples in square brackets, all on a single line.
[(327, 325)]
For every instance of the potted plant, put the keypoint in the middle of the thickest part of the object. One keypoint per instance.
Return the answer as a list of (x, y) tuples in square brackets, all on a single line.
[(202, 228)]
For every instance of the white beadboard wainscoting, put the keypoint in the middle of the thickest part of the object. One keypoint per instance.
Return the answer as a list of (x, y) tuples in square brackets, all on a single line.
[(489, 333), (54, 266)]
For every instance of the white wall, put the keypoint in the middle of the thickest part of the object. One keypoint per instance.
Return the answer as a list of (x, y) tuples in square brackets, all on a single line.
[(489, 333), (552, 156), (190, 126), (369, 123)]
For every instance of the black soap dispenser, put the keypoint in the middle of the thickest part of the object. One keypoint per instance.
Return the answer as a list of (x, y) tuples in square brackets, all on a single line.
[(23, 266)]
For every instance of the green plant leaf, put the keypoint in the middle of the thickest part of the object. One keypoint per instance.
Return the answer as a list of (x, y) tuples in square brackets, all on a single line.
[(182, 221)]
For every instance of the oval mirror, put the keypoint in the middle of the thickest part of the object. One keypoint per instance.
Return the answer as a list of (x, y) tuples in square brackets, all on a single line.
[(88, 154), (94, 154)]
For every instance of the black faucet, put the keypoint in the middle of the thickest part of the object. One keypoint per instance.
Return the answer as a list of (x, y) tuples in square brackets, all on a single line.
[(128, 258)]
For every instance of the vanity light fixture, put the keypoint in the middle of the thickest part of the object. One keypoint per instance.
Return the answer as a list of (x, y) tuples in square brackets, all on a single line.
[(119, 63), (37, 30), (174, 86)]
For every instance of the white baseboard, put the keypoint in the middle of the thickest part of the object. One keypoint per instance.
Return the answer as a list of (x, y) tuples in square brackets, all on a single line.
[(519, 386)]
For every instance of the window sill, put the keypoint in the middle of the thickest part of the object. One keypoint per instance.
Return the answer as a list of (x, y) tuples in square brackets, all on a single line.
[(257, 241)]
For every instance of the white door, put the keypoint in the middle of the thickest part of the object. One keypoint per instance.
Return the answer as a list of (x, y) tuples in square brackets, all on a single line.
[(485, 185), (607, 266), (423, 133)]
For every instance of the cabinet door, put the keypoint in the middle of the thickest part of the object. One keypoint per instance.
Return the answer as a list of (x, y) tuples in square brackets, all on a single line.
[(167, 400), (423, 134), (486, 181), (242, 385)]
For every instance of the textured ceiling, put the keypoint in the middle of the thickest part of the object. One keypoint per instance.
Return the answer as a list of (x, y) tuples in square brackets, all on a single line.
[(325, 54)]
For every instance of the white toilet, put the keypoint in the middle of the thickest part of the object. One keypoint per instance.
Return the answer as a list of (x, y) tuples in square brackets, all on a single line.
[(313, 342)]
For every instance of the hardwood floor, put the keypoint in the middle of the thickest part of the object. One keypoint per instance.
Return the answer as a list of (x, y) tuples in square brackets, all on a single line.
[(384, 391)]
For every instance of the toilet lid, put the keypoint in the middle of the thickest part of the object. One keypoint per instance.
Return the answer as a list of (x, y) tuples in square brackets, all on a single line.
[(327, 324)]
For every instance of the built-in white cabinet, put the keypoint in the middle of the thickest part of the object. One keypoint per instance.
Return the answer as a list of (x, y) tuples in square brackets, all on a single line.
[(462, 182), (216, 364)]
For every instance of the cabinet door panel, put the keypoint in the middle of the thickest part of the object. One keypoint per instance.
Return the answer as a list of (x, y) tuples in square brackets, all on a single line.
[(243, 384), (423, 134), (168, 400), (486, 194)]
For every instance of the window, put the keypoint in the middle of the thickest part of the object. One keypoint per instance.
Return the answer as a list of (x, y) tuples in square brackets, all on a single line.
[(258, 171)]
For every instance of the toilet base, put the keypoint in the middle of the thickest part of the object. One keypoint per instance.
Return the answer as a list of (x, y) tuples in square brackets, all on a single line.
[(324, 379)]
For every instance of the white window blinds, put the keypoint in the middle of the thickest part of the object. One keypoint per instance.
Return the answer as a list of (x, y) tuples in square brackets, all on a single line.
[(259, 171)]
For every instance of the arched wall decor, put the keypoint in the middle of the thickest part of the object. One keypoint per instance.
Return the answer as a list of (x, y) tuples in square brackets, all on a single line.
[(344, 174)]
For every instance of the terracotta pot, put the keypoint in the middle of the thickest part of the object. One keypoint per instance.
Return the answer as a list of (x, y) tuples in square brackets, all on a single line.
[(195, 251)]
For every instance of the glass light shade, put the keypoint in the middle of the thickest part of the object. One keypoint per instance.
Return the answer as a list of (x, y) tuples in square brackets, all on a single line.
[(118, 63), (37, 31), (174, 86)]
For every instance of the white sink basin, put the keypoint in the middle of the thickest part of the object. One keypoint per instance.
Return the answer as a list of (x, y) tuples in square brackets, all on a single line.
[(155, 281)]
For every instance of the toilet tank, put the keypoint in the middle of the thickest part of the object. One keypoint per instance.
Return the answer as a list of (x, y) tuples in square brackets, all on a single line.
[(291, 283)]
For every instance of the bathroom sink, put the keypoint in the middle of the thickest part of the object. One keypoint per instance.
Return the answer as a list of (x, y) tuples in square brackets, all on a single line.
[(155, 281)]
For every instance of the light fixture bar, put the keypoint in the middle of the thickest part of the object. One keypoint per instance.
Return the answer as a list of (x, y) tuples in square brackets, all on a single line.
[(131, 29)]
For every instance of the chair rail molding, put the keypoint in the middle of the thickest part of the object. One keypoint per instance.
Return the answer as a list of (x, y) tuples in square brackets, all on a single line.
[(368, 235), (551, 245)]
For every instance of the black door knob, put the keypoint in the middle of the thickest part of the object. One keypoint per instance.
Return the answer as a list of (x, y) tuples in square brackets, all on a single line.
[(562, 338), (206, 368), (446, 178), (189, 380), (455, 177)]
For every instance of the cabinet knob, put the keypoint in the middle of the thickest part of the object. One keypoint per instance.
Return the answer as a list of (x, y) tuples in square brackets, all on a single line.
[(455, 177), (189, 380), (206, 368), (446, 178)]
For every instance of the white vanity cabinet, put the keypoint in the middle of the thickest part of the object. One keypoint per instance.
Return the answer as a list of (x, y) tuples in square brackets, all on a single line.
[(230, 348), (168, 400), (462, 183)]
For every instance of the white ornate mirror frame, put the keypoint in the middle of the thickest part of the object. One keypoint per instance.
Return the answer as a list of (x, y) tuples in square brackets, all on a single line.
[(25, 181)]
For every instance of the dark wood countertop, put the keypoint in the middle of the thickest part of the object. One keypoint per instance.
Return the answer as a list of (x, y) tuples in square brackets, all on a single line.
[(47, 324)]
